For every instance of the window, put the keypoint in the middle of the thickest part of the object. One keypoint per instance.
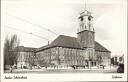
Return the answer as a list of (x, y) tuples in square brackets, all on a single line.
[(94, 63), (81, 18)]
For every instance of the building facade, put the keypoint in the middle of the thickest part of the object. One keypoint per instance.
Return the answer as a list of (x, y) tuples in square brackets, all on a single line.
[(82, 51), (67, 51), (116, 60), (25, 57)]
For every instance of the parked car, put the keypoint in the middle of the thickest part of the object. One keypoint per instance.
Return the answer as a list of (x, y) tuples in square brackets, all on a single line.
[(120, 68), (102, 66)]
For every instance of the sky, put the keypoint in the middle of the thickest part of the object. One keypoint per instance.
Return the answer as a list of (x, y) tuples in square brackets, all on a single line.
[(61, 16)]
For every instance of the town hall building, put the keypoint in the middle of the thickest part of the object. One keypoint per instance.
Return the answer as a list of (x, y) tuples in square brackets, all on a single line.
[(68, 51)]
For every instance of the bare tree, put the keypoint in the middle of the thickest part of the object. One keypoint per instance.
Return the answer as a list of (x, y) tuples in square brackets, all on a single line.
[(11, 50)]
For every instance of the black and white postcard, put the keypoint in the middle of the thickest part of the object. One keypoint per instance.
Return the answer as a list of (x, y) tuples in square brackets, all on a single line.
[(63, 40)]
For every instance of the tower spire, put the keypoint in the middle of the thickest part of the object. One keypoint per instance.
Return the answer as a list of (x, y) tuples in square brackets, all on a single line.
[(85, 4)]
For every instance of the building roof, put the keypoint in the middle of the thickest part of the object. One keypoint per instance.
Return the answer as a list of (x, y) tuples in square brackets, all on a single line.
[(62, 41), (66, 41), (99, 47), (70, 42), (25, 49), (44, 47)]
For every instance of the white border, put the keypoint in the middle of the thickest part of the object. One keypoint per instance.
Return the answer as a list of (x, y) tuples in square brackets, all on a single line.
[(64, 77)]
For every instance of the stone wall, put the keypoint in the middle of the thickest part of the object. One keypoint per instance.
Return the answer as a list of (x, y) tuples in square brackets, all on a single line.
[(25, 59), (62, 56), (71, 57), (103, 58)]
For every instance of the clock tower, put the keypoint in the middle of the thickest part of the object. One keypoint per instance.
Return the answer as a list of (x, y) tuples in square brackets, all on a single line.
[(85, 32), (85, 35)]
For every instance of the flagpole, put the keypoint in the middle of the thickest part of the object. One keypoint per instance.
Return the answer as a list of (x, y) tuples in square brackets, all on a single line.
[(85, 5)]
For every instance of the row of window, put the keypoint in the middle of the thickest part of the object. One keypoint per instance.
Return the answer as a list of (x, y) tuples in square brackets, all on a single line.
[(69, 62), (25, 56), (61, 52)]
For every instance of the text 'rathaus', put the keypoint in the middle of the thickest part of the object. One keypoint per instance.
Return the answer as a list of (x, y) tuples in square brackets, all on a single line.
[(67, 51)]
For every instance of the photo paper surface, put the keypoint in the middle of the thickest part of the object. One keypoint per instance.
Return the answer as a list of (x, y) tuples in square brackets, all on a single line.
[(63, 40)]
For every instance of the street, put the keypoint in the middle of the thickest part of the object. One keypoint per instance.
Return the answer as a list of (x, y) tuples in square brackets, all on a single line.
[(112, 70)]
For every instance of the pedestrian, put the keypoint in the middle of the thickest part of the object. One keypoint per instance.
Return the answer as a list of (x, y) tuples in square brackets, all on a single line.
[(46, 67), (103, 66), (10, 69)]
